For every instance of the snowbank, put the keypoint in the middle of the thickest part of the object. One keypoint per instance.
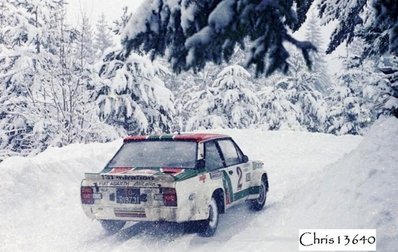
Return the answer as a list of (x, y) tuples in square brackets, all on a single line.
[(363, 187), (358, 191), (317, 181), (39, 197)]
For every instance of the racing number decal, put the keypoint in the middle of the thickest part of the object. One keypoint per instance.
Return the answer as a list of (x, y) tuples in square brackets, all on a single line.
[(240, 173)]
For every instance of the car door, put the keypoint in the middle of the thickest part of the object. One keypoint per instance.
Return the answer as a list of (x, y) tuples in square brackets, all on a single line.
[(236, 169), (215, 165)]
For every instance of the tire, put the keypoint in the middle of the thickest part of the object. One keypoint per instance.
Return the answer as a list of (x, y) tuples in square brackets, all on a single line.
[(259, 203), (112, 226), (209, 226)]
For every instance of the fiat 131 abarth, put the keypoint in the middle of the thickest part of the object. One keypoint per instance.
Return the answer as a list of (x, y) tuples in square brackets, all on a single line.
[(183, 178)]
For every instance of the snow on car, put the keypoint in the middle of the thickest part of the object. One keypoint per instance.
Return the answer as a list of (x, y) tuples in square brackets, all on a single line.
[(190, 178)]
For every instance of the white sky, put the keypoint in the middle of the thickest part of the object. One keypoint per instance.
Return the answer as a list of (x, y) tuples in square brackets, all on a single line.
[(94, 8)]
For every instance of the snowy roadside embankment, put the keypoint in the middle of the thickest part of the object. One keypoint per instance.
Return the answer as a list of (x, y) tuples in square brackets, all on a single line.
[(317, 181), (49, 172), (40, 196), (360, 190)]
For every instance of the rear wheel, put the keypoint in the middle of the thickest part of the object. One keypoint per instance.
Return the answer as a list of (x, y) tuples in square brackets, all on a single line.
[(209, 226), (112, 226), (258, 204)]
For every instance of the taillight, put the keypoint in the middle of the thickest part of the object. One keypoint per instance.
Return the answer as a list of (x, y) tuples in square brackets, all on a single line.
[(169, 196), (86, 193)]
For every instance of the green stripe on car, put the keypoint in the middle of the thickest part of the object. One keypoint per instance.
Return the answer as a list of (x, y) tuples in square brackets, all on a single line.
[(228, 186), (247, 191), (188, 173), (166, 137)]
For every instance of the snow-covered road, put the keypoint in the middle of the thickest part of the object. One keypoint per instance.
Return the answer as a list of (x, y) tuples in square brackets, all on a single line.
[(316, 181)]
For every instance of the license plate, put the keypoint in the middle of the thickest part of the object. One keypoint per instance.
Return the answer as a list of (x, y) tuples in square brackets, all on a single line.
[(128, 196)]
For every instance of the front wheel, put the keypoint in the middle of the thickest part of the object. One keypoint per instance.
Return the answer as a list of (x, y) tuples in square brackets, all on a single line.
[(112, 226), (209, 226), (258, 204)]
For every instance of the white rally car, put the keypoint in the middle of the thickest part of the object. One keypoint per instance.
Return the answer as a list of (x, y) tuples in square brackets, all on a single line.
[(188, 178)]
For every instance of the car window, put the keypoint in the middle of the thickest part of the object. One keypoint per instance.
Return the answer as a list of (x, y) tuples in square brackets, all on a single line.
[(212, 156), (230, 152), (149, 154)]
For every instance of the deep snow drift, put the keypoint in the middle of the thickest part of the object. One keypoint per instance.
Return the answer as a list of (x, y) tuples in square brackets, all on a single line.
[(316, 181)]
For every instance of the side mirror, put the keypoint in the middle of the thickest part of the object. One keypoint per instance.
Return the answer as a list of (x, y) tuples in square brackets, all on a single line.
[(245, 159), (200, 164)]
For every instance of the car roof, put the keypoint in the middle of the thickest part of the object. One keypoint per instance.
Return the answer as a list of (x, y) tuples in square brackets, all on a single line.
[(196, 137)]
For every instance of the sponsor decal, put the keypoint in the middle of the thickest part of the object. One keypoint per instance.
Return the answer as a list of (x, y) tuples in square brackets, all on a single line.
[(228, 198), (257, 165), (202, 178), (113, 183), (248, 177), (141, 183), (216, 175), (144, 184), (126, 177)]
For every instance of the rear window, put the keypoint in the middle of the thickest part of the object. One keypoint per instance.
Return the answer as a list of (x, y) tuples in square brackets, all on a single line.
[(151, 154)]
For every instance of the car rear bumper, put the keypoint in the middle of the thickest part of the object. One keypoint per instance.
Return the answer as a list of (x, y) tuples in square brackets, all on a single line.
[(169, 214)]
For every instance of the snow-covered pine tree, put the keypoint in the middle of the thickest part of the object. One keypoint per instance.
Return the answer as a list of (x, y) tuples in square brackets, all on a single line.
[(86, 53), (292, 101), (21, 70), (277, 109), (191, 33), (190, 88), (43, 88), (373, 21), (67, 89), (121, 23), (133, 96), (88, 125), (103, 38), (6, 18), (189, 85), (387, 99), (319, 66), (349, 112), (373, 82), (307, 97), (230, 101)]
